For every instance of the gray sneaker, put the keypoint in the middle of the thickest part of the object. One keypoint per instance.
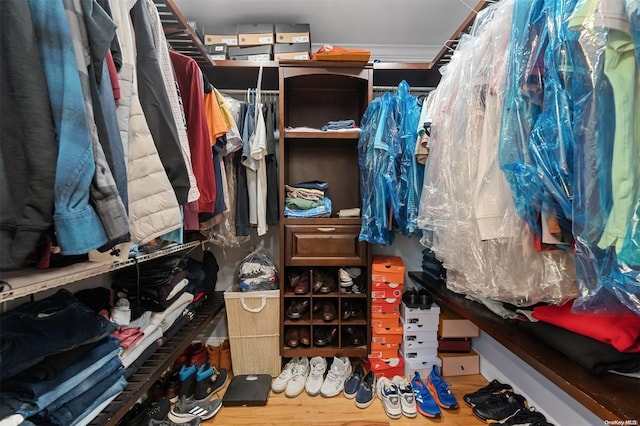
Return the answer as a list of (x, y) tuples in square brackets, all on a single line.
[(192, 422), (187, 410)]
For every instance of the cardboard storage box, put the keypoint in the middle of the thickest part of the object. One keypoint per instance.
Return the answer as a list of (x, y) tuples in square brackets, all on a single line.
[(418, 353), (422, 366), (383, 290), (293, 33), (254, 53), (419, 326), (420, 339), (255, 34), (389, 269), (385, 367), (380, 350), (460, 364), (453, 325), (221, 34), (218, 51), (415, 315), (253, 320), (295, 51), (386, 335), (380, 320)]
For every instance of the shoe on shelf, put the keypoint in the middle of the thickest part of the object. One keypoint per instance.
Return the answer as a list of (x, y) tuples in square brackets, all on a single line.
[(328, 286), (334, 382), (328, 311), (302, 285), (292, 337), (407, 398), (389, 395), (440, 390), (209, 380), (355, 334), (186, 410), (324, 336), (172, 387), (526, 417), (280, 383), (317, 367), (484, 393), (425, 300), (187, 381), (198, 354), (425, 403), (295, 385), (318, 281), (297, 308), (410, 298), (304, 336), (352, 383), (214, 355), (367, 390), (500, 407)]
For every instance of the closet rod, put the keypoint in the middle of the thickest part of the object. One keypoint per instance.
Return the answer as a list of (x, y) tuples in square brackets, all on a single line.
[(412, 89), (244, 91)]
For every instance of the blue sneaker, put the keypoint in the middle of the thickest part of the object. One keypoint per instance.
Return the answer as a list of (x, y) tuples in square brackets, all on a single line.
[(424, 401), (440, 390), (352, 384)]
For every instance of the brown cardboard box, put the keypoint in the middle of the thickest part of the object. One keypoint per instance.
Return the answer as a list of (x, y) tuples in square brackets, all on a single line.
[(293, 33), (255, 34), (460, 364), (453, 325), (221, 35)]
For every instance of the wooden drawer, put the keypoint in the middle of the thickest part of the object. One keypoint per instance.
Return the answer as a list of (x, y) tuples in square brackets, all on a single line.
[(331, 245)]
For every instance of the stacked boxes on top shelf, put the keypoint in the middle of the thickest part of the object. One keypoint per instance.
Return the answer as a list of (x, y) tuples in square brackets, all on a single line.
[(454, 345), (258, 42), (419, 339), (387, 282)]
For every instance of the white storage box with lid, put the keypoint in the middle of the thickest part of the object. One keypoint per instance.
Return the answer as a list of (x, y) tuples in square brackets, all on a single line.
[(254, 334)]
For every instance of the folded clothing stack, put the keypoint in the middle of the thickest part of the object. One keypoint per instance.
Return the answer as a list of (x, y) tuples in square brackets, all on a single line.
[(307, 199)]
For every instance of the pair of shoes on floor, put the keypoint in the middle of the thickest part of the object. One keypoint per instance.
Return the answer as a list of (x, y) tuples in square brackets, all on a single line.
[(186, 410), (200, 383), (433, 395), (293, 377), (339, 371), (500, 407), (360, 386), (317, 368), (220, 355), (417, 299), (397, 397)]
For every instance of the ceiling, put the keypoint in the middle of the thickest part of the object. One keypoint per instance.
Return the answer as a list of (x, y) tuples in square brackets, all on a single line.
[(393, 30)]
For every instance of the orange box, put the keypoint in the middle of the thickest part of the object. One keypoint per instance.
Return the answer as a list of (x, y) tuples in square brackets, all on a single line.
[(384, 351), (389, 269), (388, 367), (386, 335), (379, 320), (384, 290), (385, 306)]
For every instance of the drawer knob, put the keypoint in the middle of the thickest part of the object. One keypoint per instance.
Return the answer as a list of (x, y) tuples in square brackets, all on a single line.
[(324, 229)]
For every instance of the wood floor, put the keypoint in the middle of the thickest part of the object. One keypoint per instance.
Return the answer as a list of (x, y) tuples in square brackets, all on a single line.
[(305, 410)]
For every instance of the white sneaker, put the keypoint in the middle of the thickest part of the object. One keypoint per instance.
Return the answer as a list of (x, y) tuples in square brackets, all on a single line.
[(280, 382), (318, 366), (388, 393), (338, 373), (295, 386), (407, 397)]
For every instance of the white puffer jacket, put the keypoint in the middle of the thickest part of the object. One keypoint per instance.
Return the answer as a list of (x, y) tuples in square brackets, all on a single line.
[(153, 207)]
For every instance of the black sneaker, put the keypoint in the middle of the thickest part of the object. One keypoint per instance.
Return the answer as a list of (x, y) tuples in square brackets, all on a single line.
[(526, 417), (499, 407), (209, 380), (484, 393)]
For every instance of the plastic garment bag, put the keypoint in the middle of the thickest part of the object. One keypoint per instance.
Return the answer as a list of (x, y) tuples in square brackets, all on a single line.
[(467, 210)]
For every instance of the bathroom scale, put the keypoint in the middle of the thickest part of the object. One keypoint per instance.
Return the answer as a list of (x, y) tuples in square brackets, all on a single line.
[(247, 390)]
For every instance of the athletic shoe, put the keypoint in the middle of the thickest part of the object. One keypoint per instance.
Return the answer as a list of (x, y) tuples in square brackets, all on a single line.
[(526, 417), (500, 407), (295, 386), (186, 410), (425, 403), (209, 381), (440, 390), (483, 394), (280, 382), (192, 422), (388, 393), (338, 372), (187, 381), (318, 366), (366, 391), (407, 398), (352, 383)]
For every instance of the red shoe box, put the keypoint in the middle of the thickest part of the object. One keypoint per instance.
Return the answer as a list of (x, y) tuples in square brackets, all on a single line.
[(385, 290), (388, 367), (460, 345)]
